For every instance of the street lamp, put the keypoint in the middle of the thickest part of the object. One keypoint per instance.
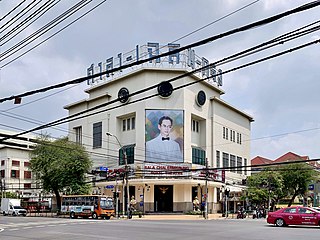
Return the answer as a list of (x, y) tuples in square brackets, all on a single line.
[(126, 175)]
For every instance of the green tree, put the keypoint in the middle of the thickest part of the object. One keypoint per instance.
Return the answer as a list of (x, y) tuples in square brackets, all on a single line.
[(265, 186), (296, 179), (60, 164)]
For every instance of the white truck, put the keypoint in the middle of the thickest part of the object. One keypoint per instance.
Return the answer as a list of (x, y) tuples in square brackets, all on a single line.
[(11, 206)]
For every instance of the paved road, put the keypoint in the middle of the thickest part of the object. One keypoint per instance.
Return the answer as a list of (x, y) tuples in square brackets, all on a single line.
[(23, 228)]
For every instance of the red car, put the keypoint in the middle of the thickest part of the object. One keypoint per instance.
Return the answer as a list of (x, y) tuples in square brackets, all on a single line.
[(294, 216)]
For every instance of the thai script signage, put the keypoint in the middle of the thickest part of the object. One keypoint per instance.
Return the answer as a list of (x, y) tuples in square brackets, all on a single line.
[(186, 59)]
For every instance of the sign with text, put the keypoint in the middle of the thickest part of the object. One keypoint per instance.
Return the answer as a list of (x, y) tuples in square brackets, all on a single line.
[(186, 59)]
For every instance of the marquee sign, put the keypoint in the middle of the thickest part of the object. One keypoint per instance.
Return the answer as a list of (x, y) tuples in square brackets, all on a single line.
[(186, 59), (182, 170)]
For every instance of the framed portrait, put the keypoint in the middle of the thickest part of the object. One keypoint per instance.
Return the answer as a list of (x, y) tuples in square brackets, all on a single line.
[(164, 135)]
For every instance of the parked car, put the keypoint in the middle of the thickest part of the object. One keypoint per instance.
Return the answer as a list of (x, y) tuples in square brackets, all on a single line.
[(296, 215)]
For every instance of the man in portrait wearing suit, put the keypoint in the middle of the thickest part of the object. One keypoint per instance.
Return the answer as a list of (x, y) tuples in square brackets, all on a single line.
[(162, 148)]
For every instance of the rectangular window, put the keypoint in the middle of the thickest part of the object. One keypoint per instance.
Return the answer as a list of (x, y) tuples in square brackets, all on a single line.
[(198, 156), (225, 160), (227, 130), (78, 133), (233, 163), (218, 159), (27, 185), (2, 162), (26, 164), (224, 133), (2, 173), (231, 135), (133, 123), (129, 151), (240, 141), (15, 163), (128, 124), (27, 175), (234, 136), (97, 135), (124, 125), (245, 162), (239, 164), (15, 173), (195, 126)]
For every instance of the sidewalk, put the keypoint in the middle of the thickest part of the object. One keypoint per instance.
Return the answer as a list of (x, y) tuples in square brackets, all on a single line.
[(178, 217)]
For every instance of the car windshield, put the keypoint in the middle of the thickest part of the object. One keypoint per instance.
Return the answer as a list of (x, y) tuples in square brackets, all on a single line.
[(17, 207)]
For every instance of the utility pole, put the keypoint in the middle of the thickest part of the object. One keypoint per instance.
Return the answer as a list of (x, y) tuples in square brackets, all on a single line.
[(206, 192), (125, 178)]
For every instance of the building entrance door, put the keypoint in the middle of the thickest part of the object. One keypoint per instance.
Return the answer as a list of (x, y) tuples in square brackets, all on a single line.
[(163, 198)]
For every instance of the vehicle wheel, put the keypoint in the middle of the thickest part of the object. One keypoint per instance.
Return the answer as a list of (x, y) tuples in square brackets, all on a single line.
[(72, 215), (107, 217), (94, 215), (280, 222)]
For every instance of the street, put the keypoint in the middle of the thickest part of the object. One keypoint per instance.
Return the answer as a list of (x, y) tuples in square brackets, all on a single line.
[(13, 228)]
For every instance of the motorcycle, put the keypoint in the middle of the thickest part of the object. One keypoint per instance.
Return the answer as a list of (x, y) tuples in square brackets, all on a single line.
[(241, 214)]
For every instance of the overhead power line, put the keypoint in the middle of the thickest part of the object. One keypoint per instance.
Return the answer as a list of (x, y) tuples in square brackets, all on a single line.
[(41, 10), (16, 16), (202, 42), (53, 34), (12, 10), (73, 117), (62, 17)]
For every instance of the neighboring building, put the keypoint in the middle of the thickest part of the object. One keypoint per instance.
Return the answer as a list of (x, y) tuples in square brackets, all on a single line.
[(314, 188), (205, 128), (15, 174)]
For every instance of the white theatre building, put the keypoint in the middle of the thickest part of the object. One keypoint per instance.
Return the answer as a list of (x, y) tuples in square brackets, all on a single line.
[(204, 128)]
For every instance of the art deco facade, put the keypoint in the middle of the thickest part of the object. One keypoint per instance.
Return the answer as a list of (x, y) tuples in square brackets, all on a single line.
[(208, 129)]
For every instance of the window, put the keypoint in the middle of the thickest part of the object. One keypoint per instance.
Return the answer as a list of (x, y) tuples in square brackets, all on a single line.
[(2, 162), (225, 133), (245, 164), (78, 132), (27, 175), (128, 124), (198, 156), (27, 185), (239, 164), (231, 135), (133, 123), (290, 210), (129, 150), (15, 173), (97, 135), (2, 173), (233, 163), (124, 125), (26, 164), (225, 160), (218, 159), (195, 126), (15, 163)]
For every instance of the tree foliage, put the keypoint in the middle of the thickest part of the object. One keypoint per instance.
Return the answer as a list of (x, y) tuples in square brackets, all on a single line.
[(296, 179), (264, 186), (60, 165), (289, 181)]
